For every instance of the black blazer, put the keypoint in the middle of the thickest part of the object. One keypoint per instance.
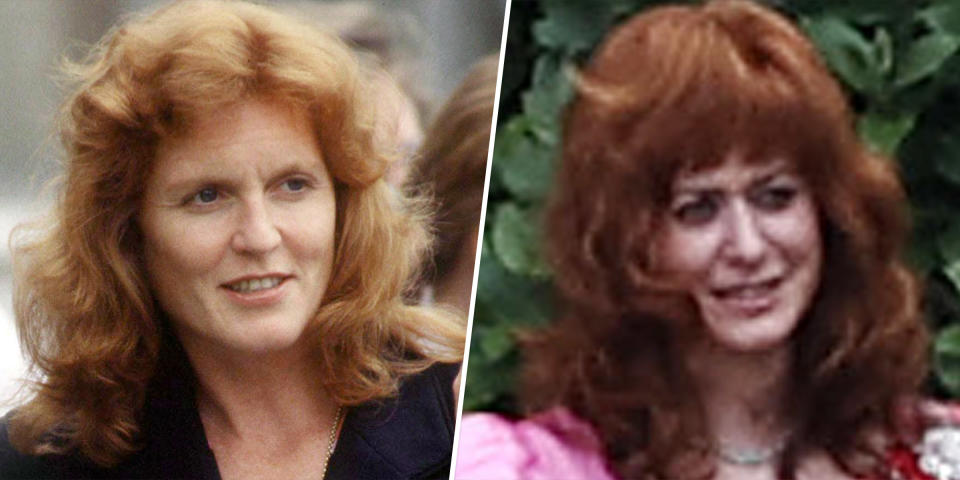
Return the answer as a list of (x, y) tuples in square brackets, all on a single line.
[(407, 437)]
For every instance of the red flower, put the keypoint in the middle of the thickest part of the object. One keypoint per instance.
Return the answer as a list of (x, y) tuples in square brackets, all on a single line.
[(903, 465)]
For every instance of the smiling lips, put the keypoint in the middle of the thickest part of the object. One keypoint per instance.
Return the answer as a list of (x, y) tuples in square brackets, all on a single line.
[(257, 291), (749, 299), (254, 284)]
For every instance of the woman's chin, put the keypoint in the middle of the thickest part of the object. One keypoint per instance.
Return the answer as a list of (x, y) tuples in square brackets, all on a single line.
[(261, 340), (749, 345), (272, 342), (750, 331), (751, 336)]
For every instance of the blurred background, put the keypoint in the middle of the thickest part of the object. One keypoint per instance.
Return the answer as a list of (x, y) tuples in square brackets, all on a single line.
[(900, 64), (428, 45)]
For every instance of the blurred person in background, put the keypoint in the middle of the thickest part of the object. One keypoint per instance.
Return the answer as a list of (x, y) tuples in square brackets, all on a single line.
[(383, 37), (451, 168), (217, 292)]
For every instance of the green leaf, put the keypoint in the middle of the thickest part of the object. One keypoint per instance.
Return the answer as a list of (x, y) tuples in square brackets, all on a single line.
[(503, 297), (495, 342), (952, 271), (572, 26), (516, 239), (884, 131), (883, 45), (524, 162), (848, 53), (947, 358), (923, 57), (549, 94), (943, 17), (527, 144), (948, 244), (861, 12)]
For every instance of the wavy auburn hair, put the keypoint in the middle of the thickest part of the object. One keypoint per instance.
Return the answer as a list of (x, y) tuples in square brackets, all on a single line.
[(86, 316), (677, 88)]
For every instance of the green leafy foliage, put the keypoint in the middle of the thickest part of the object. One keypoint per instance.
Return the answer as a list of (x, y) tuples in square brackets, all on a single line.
[(900, 63), (885, 130), (516, 239), (856, 60), (947, 358), (924, 57)]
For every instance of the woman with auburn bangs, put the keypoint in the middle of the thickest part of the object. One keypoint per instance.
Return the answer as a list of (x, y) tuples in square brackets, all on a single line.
[(735, 302), (218, 293)]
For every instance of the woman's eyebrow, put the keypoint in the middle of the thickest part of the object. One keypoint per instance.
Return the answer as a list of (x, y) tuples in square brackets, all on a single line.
[(213, 179), (303, 168), (697, 191), (783, 172), (695, 183)]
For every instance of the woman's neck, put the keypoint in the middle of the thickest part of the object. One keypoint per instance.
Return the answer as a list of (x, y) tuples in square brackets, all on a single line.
[(243, 396), (265, 415), (743, 395)]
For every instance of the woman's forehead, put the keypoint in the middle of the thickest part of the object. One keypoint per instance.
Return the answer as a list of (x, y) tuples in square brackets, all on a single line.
[(734, 170)]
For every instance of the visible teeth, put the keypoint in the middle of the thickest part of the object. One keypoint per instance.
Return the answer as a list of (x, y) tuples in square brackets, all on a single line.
[(748, 291), (255, 284)]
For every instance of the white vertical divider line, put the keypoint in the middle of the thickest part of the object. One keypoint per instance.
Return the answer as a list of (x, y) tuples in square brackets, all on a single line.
[(476, 262)]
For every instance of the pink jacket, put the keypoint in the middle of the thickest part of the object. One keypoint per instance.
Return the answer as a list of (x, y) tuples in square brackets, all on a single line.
[(495, 448), (555, 445)]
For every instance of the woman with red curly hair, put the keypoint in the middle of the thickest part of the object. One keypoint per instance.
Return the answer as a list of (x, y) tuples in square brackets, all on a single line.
[(728, 255), (219, 290)]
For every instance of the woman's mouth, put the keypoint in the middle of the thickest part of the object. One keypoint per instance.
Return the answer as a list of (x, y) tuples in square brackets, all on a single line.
[(257, 291), (254, 284), (750, 298)]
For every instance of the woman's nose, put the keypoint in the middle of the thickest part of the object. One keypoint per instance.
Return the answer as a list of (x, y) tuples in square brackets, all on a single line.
[(256, 231), (745, 242)]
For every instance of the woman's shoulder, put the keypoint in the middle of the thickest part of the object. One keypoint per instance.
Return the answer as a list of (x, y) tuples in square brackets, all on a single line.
[(551, 445), (16, 465)]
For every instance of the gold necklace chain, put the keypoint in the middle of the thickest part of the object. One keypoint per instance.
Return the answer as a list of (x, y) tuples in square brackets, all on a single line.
[(332, 443)]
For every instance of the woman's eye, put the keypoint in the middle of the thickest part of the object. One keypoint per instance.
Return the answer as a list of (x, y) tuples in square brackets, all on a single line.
[(295, 184), (205, 196), (696, 212), (774, 198)]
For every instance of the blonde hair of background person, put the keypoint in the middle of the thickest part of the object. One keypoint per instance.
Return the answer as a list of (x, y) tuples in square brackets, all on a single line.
[(85, 310), (451, 165)]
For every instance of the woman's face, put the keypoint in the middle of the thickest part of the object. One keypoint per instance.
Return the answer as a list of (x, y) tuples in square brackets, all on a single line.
[(745, 241), (238, 223)]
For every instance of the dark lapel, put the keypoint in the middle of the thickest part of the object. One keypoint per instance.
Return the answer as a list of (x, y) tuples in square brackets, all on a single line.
[(407, 437), (175, 443)]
